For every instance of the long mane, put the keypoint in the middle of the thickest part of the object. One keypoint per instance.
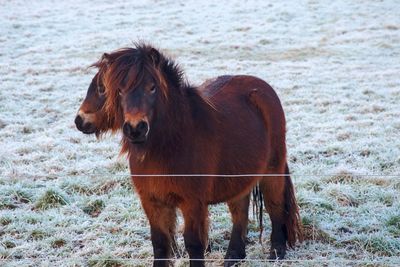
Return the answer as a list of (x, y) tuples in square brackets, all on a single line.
[(126, 67)]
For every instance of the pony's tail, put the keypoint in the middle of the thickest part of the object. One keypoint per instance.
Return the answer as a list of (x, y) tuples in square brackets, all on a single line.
[(294, 228), (293, 225), (258, 208), (267, 102)]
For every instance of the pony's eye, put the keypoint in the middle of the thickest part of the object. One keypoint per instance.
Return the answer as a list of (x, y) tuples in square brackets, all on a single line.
[(101, 90), (152, 90)]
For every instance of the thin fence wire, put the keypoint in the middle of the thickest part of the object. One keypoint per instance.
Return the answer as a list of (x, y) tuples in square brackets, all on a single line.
[(198, 175), (142, 260)]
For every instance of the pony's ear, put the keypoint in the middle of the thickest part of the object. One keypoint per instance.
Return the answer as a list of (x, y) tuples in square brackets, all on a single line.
[(105, 58), (102, 62), (155, 56)]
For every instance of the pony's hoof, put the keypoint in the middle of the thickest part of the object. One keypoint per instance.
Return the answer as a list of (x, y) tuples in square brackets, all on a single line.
[(230, 262), (277, 253), (232, 258)]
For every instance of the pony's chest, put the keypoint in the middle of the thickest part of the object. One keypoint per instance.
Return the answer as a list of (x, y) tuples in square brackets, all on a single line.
[(165, 189)]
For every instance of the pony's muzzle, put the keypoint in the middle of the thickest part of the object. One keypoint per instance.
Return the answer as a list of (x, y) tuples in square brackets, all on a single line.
[(136, 133), (83, 125)]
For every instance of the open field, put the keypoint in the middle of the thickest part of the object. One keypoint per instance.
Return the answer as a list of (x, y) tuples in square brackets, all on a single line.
[(65, 198)]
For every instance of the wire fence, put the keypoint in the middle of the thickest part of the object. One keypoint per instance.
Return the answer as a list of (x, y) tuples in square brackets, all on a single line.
[(198, 175), (336, 262)]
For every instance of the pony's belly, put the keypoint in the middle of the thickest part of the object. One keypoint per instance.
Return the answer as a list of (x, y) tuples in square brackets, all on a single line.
[(228, 189), (172, 190)]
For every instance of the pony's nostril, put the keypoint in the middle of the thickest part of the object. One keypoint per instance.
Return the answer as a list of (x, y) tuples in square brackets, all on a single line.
[(142, 127), (78, 121), (136, 134), (127, 129), (84, 126)]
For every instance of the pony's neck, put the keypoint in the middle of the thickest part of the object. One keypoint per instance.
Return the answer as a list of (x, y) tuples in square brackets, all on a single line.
[(188, 117)]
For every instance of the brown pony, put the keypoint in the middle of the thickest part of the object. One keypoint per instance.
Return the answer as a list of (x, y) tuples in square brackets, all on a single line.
[(231, 125), (92, 119)]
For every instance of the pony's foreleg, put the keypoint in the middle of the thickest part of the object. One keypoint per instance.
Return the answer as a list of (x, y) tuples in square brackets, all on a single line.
[(240, 217), (162, 220), (196, 231)]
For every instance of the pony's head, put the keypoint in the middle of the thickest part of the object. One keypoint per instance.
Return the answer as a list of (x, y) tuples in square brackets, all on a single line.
[(92, 117), (139, 85)]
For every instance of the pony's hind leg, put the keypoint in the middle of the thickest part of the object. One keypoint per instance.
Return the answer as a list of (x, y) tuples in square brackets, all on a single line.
[(195, 234), (162, 220), (272, 189), (240, 217), (280, 202)]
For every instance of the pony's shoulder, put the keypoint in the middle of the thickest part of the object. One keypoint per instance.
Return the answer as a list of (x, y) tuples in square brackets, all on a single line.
[(212, 86)]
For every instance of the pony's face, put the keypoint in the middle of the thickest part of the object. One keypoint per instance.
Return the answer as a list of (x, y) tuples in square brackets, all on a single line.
[(136, 90), (139, 108), (91, 117)]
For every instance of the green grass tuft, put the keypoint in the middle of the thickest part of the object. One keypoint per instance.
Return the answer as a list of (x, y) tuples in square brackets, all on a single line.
[(51, 199), (118, 167), (105, 187), (22, 196), (305, 220), (393, 224), (342, 178), (94, 208), (313, 185), (387, 199), (325, 205), (32, 220), (73, 188), (105, 261), (58, 242), (313, 203), (8, 244), (37, 234), (393, 221), (311, 231), (5, 221), (379, 245), (7, 203), (343, 198)]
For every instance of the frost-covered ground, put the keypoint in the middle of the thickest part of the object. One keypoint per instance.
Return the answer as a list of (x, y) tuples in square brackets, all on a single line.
[(65, 198)]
